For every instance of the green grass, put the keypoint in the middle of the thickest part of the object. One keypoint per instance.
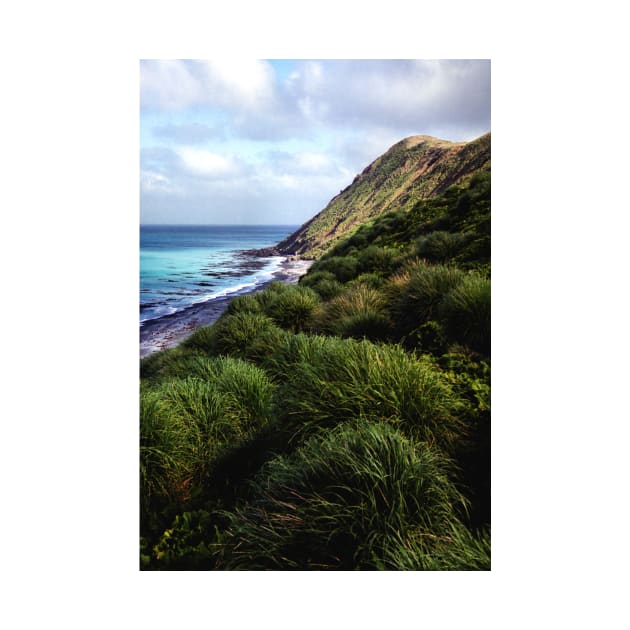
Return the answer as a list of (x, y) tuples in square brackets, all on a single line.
[(415, 293), (294, 308), (360, 497), (357, 312), (439, 246), (165, 452), (344, 268), (249, 303), (186, 424), (465, 313), (326, 380), (243, 335)]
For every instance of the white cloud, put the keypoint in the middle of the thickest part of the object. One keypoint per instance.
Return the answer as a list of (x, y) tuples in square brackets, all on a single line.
[(181, 84), (312, 162), (168, 84), (201, 162), (247, 82)]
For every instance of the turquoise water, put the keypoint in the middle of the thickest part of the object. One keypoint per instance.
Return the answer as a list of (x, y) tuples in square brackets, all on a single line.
[(181, 265)]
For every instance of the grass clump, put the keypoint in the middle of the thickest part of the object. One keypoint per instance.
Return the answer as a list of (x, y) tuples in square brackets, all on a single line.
[(186, 424), (165, 452), (244, 335), (166, 363), (465, 313), (375, 259), (344, 268), (372, 280), (326, 380), (358, 312), (415, 293), (439, 246), (355, 498), (248, 303), (294, 308), (312, 278)]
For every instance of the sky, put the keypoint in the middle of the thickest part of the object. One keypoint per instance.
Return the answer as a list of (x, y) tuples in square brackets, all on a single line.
[(272, 141)]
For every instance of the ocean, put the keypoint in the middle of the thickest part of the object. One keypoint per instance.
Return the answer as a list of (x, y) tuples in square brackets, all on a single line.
[(185, 265)]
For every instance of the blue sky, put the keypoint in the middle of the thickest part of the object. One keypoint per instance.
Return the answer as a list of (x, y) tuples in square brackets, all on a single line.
[(256, 142)]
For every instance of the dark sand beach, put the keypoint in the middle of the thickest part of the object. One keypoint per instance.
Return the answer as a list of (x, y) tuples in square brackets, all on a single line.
[(170, 330)]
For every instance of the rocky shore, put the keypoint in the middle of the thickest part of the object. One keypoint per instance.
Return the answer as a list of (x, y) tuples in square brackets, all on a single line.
[(170, 330)]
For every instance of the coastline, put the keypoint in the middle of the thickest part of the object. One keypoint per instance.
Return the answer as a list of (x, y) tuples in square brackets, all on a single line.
[(170, 330)]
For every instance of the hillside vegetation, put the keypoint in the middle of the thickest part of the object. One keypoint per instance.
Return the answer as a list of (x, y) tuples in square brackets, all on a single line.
[(341, 423), (414, 169)]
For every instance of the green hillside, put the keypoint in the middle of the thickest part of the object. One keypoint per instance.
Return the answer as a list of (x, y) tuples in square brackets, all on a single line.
[(417, 168), (342, 423)]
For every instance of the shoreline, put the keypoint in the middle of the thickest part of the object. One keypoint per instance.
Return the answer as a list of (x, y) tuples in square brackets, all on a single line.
[(169, 331)]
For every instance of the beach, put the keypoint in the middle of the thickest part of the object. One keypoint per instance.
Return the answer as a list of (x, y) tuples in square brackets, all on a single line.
[(170, 330)]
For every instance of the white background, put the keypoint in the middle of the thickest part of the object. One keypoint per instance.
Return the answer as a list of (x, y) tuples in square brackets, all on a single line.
[(69, 172)]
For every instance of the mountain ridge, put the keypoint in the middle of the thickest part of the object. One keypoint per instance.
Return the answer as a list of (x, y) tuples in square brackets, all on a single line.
[(413, 169)]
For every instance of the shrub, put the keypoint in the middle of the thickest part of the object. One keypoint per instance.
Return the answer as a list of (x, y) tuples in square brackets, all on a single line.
[(294, 308), (327, 380), (354, 498), (465, 313), (186, 545)]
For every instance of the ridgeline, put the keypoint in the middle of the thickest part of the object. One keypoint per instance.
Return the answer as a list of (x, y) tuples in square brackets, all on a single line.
[(416, 168)]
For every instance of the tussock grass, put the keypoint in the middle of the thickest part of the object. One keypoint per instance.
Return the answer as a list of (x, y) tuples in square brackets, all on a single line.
[(372, 280), (294, 308), (187, 423), (328, 289), (465, 313), (375, 259), (359, 497), (440, 246), (358, 312), (235, 335), (248, 303), (313, 277), (344, 268), (323, 282), (165, 451), (326, 380), (415, 293), (170, 362)]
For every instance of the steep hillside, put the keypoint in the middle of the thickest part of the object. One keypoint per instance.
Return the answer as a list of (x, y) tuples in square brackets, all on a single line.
[(416, 168)]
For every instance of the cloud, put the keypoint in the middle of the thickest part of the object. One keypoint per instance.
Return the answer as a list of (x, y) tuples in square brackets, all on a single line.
[(207, 164), (181, 84), (191, 133), (399, 94)]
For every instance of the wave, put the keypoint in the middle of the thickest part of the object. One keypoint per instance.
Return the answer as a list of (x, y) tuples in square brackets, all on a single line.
[(263, 276)]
